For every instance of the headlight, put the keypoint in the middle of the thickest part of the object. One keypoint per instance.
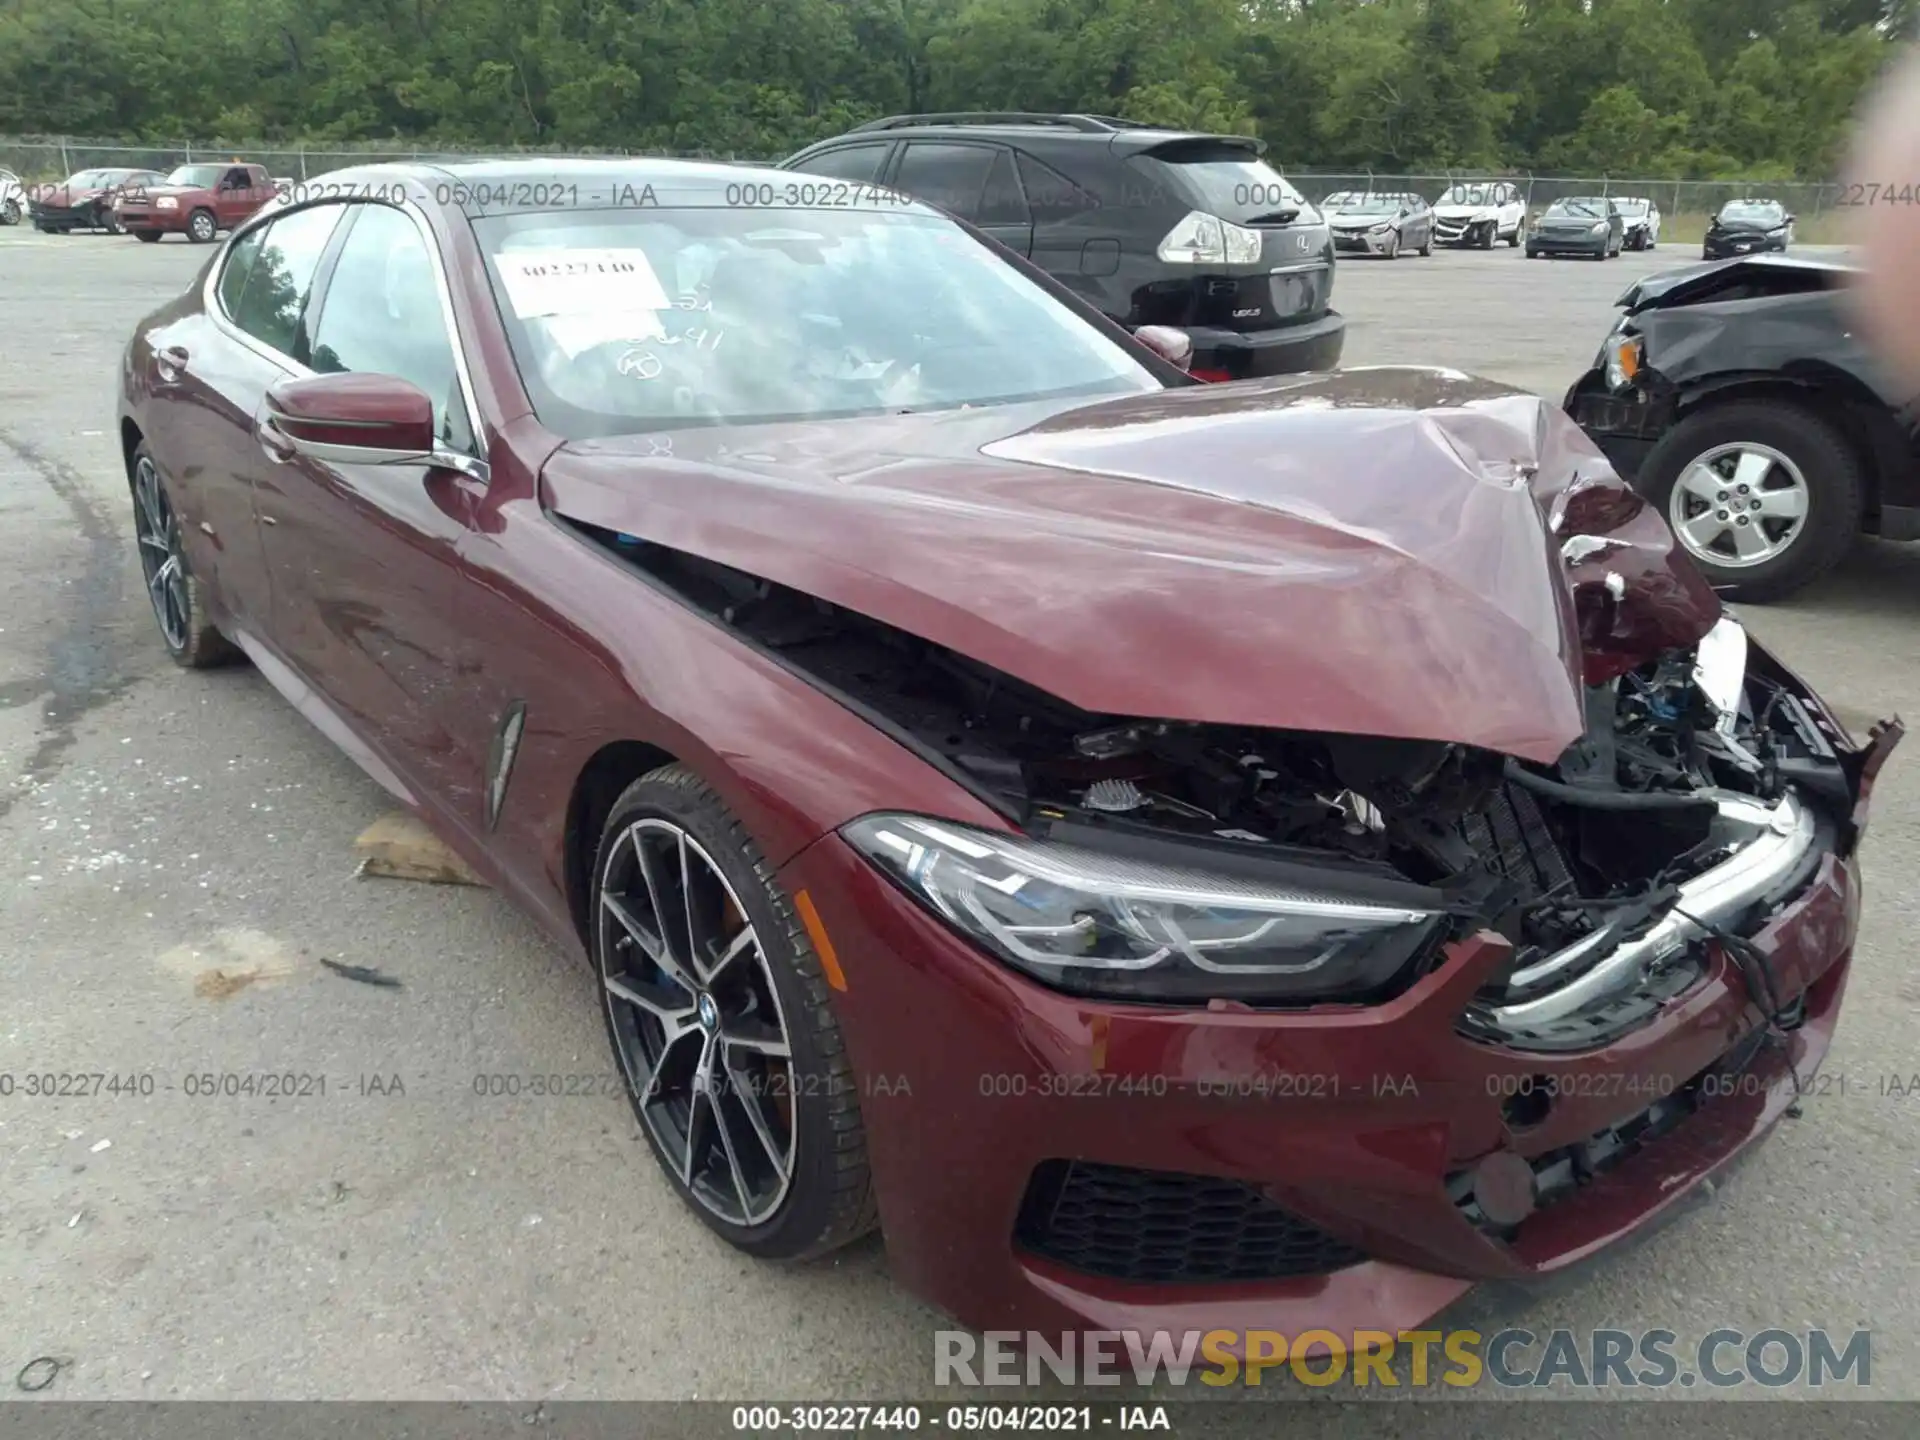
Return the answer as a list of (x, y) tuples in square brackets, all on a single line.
[(166, 202), (1624, 356), (1097, 924), (1381, 228), (1599, 227)]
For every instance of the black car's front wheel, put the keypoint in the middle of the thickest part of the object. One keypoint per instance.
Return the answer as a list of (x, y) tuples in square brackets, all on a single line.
[(721, 1022), (177, 595), (1765, 498)]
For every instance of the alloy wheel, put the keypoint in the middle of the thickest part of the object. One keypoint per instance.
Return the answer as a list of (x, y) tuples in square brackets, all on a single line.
[(161, 561), (697, 1022), (201, 227), (1738, 505)]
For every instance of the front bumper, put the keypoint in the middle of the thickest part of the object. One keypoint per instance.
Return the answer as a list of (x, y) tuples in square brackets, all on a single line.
[(1541, 243), (1720, 249), (1362, 242), (82, 216), (1464, 232), (1283, 350), (1348, 1124)]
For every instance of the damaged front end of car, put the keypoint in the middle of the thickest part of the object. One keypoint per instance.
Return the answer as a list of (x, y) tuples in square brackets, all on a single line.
[(1158, 861)]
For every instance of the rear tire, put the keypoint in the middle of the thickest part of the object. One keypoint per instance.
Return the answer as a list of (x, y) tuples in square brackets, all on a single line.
[(1835, 486), (148, 237), (826, 1200)]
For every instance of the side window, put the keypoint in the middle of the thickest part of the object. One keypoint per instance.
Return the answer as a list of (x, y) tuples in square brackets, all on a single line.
[(849, 162), (1050, 195), (239, 263), (273, 304), (1002, 204), (382, 315), (237, 178), (954, 177)]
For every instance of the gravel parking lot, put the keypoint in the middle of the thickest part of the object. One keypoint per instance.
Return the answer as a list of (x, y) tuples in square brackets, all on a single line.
[(157, 827)]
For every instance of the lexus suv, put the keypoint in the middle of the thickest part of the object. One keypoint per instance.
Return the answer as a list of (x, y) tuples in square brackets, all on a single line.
[(1152, 226)]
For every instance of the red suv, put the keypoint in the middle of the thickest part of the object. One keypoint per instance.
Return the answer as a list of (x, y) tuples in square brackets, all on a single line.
[(198, 201)]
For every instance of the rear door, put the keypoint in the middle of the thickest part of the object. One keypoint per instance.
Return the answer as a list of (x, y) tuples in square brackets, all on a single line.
[(210, 373), (977, 181), (1290, 278)]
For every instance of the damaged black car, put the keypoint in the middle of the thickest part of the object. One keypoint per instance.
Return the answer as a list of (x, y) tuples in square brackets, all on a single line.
[(1740, 398)]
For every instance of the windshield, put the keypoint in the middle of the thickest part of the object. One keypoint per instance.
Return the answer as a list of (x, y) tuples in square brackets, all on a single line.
[(624, 321), (1579, 209), (1764, 211), (1631, 207), (197, 177), (1471, 195)]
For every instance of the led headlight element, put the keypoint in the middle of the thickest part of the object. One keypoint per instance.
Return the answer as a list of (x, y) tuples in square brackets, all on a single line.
[(1084, 921)]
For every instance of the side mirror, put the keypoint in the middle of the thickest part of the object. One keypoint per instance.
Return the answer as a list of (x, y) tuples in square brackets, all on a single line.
[(1171, 345), (1789, 219), (350, 420)]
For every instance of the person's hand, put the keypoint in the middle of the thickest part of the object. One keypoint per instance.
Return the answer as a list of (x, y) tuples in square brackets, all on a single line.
[(1886, 172)]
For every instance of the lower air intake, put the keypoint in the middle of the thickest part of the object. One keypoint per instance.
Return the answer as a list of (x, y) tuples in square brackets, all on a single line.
[(1156, 1226)]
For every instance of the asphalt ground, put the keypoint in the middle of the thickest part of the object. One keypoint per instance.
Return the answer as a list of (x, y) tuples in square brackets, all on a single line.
[(404, 1237)]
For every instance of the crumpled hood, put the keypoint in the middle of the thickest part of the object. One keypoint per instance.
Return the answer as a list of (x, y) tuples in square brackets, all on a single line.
[(1371, 551)]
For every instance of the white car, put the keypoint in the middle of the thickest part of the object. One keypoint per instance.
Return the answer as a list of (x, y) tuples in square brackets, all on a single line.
[(1480, 213), (1642, 217), (13, 198)]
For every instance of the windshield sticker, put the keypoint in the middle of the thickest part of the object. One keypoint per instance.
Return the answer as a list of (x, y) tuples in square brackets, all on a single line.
[(579, 282), (577, 334)]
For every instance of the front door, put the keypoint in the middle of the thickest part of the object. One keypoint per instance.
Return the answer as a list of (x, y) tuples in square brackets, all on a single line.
[(363, 556)]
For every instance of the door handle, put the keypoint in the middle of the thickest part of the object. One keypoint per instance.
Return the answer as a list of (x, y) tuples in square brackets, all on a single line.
[(276, 445), (168, 362)]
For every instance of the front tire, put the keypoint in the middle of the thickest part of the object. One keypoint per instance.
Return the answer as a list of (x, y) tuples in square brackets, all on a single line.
[(202, 227), (178, 596), (1393, 247), (1764, 497), (11, 213), (723, 1027)]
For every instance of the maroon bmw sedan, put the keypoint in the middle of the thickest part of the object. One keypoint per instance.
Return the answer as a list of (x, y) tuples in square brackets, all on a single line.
[(1263, 855)]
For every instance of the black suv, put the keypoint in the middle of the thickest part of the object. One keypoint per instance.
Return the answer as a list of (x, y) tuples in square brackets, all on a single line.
[(1154, 227)]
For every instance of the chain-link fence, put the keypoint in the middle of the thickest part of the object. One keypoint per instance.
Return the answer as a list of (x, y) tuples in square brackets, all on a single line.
[(1685, 204), (51, 158)]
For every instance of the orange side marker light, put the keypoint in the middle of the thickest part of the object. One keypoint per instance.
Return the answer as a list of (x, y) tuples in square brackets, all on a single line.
[(822, 946)]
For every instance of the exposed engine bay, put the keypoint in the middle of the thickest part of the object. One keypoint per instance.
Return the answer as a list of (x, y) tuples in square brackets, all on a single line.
[(1703, 795)]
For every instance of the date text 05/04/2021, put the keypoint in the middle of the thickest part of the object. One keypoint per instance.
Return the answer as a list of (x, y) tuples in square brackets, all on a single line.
[(957, 1419)]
